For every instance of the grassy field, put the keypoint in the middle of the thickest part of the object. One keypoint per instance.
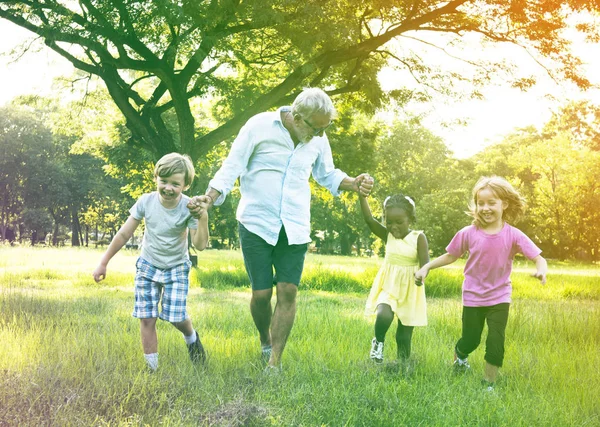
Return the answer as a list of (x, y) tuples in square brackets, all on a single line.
[(71, 355)]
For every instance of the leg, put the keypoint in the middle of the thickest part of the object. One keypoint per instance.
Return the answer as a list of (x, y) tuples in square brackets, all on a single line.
[(385, 317), (473, 319), (288, 261), (184, 327), (258, 260), (283, 319), (147, 296), (149, 338), (260, 308), (497, 319), (490, 373), (403, 340)]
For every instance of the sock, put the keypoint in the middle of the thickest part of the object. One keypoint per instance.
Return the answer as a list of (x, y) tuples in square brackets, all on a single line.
[(190, 339), (152, 360)]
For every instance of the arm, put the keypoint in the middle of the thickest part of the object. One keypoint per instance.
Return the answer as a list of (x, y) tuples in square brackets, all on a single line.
[(422, 250), (200, 235), (375, 226), (436, 263), (122, 237), (236, 162), (542, 269)]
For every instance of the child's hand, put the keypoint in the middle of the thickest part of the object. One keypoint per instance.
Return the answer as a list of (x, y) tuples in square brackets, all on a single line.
[(99, 273), (364, 184), (420, 276), (198, 205), (541, 276)]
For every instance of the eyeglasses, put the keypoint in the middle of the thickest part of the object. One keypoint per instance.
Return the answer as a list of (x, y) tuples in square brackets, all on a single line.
[(317, 131)]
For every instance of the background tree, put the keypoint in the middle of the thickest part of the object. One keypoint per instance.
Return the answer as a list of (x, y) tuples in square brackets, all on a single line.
[(25, 145), (154, 57)]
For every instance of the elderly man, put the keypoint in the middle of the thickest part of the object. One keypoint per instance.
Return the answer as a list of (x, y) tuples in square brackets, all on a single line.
[(274, 155)]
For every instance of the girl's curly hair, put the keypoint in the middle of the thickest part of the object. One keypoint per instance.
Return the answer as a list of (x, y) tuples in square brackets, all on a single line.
[(505, 192), (403, 202)]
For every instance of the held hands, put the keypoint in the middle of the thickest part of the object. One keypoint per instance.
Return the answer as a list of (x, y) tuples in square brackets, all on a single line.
[(198, 205), (363, 184), (421, 275)]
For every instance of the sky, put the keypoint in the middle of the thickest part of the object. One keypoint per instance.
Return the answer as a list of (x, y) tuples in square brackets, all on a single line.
[(503, 109)]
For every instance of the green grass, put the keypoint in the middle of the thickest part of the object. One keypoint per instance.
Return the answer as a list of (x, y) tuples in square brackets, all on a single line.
[(71, 352)]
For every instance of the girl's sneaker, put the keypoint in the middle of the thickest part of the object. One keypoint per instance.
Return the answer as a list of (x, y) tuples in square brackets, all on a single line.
[(488, 387), (460, 366), (376, 351), (265, 353)]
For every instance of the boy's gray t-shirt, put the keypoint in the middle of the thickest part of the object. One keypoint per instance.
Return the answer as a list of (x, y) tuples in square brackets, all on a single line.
[(165, 242)]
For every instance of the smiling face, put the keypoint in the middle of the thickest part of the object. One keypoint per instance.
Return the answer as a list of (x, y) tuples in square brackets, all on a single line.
[(170, 188), (397, 222), (308, 127), (490, 208)]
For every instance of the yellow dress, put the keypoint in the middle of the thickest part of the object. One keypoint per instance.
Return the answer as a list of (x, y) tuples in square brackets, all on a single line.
[(395, 282)]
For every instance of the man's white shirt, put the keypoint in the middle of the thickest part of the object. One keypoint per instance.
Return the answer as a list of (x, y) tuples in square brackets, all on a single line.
[(274, 177)]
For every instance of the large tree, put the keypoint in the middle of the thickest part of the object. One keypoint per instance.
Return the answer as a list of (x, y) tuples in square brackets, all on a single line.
[(155, 56)]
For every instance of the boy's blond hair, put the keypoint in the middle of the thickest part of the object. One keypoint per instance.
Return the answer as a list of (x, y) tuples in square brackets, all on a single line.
[(505, 192), (173, 163)]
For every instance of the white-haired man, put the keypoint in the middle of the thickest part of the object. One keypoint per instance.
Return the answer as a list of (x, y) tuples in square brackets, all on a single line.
[(274, 155)]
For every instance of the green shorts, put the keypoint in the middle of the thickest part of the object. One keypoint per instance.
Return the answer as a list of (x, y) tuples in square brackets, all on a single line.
[(260, 259)]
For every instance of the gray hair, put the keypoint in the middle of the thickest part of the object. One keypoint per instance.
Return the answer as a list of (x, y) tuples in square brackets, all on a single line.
[(313, 100)]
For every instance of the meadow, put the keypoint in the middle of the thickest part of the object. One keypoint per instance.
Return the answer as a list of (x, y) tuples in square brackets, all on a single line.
[(70, 352)]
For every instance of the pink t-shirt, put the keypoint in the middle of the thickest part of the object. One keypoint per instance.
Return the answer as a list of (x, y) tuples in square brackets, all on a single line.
[(488, 268)]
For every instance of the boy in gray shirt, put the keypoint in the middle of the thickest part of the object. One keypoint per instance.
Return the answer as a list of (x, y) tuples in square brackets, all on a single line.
[(163, 267)]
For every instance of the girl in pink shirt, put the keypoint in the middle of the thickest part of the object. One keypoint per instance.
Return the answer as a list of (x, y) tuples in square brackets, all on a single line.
[(492, 244)]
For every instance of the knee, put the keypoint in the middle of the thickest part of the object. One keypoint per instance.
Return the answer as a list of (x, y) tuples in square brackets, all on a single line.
[(286, 293), (385, 313), (262, 298), (148, 323)]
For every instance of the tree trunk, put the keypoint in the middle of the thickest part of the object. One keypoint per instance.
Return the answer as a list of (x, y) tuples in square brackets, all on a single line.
[(55, 234), (75, 231)]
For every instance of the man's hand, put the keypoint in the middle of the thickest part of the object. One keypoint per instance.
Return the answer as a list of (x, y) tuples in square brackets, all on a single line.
[(198, 205), (363, 184)]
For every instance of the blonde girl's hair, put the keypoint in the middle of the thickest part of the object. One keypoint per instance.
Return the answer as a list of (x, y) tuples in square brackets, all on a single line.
[(173, 163), (505, 192)]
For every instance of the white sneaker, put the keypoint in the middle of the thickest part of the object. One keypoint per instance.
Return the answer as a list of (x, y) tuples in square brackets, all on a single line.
[(460, 366), (265, 354), (376, 351)]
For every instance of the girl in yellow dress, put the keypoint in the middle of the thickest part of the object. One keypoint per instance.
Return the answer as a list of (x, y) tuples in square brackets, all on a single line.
[(394, 290)]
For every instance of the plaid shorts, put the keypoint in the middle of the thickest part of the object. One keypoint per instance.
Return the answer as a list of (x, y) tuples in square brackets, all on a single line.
[(169, 286)]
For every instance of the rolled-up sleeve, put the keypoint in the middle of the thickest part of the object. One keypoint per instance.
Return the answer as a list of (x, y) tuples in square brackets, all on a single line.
[(235, 163), (325, 173)]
